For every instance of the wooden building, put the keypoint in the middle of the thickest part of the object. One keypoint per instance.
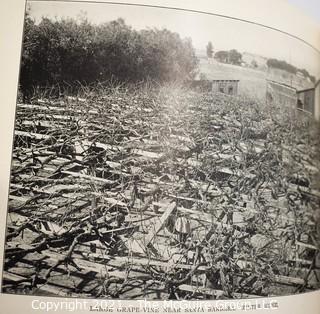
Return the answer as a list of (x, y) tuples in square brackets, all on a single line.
[(281, 94), (229, 87), (306, 100), (309, 100)]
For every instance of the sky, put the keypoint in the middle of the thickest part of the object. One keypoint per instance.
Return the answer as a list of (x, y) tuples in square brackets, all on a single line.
[(224, 33)]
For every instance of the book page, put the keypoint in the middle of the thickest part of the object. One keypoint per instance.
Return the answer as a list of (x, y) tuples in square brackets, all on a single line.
[(159, 156)]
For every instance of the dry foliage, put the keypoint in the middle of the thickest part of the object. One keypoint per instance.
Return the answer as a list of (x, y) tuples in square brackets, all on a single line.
[(100, 180)]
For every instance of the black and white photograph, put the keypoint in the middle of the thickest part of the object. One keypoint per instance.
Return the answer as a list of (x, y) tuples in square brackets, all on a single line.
[(162, 154)]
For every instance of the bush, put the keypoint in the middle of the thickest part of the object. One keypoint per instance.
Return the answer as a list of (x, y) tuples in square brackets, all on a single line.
[(282, 65), (69, 51), (232, 57)]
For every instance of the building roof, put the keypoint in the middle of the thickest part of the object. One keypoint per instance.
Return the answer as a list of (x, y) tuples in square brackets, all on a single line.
[(305, 90), (214, 80), (282, 84), (219, 80), (309, 89)]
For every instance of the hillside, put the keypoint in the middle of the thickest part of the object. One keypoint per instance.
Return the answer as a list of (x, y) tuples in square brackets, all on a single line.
[(252, 81)]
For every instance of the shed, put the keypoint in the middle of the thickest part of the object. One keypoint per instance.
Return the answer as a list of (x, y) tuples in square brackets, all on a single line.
[(281, 94), (309, 100), (229, 87)]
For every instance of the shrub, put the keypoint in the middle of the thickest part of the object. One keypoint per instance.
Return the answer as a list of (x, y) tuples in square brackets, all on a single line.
[(69, 51)]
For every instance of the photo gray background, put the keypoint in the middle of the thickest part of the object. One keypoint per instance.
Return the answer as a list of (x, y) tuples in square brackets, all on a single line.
[(310, 7)]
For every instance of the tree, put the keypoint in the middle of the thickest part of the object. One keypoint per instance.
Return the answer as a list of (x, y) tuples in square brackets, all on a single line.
[(209, 50), (222, 56), (285, 66), (254, 64), (234, 57), (67, 51), (307, 74), (281, 65), (231, 56), (29, 45)]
